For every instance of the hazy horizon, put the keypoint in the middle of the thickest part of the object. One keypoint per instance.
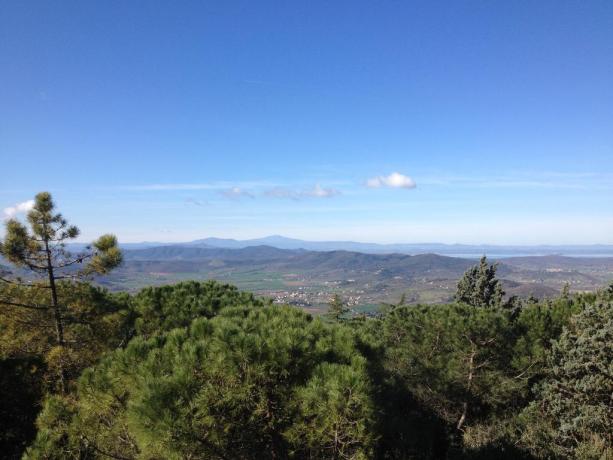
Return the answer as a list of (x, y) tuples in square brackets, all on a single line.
[(359, 242)]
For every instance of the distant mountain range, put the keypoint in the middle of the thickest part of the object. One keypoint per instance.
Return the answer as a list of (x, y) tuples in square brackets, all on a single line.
[(457, 250)]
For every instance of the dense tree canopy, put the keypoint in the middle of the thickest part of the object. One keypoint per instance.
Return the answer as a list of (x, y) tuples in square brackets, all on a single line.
[(250, 383), (163, 308), (95, 321), (573, 414), (535, 327), (455, 359)]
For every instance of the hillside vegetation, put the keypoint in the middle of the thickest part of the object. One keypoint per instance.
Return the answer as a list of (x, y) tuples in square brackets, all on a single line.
[(203, 370)]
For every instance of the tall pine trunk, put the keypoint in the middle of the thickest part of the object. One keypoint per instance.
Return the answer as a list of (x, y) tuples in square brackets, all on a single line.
[(57, 315)]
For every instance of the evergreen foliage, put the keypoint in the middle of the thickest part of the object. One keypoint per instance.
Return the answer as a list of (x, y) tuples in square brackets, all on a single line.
[(479, 286), (455, 359), (573, 415), (250, 383), (337, 308), (536, 326), (95, 322), (21, 386), (163, 308), (41, 249), (257, 381), (202, 370)]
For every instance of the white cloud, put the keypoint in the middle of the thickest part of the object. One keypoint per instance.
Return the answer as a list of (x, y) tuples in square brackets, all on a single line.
[(394, 180), (235, 193), (319, 192), (315, 192), (12, 211)]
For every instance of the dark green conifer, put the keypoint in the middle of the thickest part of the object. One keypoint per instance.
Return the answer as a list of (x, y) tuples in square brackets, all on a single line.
[(479, 286), (573, 415)]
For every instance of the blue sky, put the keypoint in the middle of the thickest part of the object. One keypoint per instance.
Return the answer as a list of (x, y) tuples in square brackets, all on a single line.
[(171, 121)]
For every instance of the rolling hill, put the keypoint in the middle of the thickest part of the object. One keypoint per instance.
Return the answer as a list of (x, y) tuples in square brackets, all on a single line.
[(308, 278)]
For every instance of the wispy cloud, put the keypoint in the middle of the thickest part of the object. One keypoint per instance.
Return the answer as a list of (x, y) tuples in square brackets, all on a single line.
[(281, 192), (394, 180), (196, 202), (215, 186), (165, 187), (18, 208), (545, 180), (320, 192), (236, 193), (316, 191)]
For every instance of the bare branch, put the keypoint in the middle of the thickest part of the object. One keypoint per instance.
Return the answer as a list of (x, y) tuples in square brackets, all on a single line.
[(521, 374), (78, 260), (102, 452), (75, 277)]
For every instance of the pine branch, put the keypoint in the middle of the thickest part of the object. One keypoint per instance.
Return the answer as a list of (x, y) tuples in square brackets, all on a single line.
[(18, 283), (23, 305), (78, 260)]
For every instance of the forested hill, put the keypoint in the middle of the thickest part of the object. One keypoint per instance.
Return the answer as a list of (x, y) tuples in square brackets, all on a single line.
[(302, 259), (306, 278), (177, 252), (339, 264)]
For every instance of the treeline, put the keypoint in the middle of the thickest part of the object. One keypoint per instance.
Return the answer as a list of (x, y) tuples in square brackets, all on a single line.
[(204, 371)]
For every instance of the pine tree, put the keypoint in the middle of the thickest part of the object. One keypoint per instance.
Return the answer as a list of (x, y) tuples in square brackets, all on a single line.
[(479, 286), (387, 308), (455, 358), (573, 415), (41, 251), (609, 291), (565, 291), (337, 308)]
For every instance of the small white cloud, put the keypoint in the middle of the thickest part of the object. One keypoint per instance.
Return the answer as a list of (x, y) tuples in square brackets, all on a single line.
[(12, 211), (235, 193), (394, 180), (319, 192)]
